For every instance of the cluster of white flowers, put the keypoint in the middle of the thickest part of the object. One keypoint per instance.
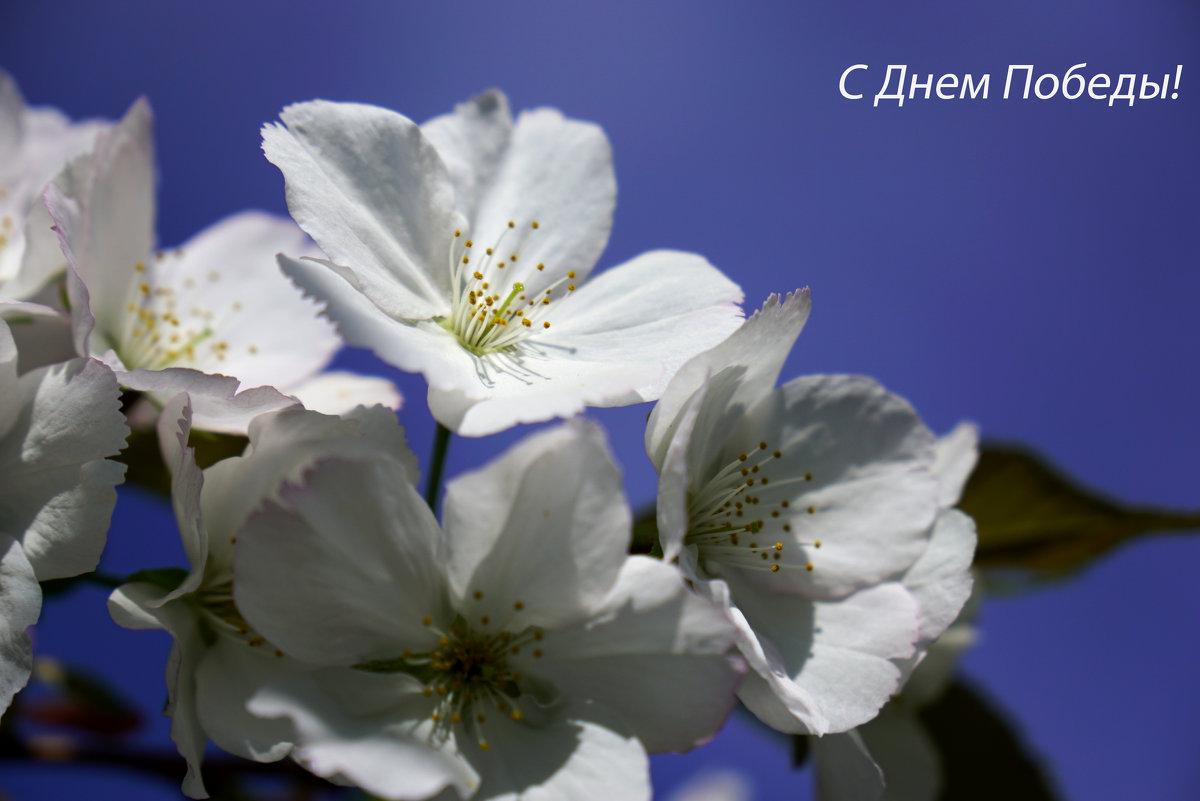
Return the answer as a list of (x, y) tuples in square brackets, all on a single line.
[(515, 650)]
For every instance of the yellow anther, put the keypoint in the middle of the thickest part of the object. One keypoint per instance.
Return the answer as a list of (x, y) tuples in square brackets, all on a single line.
[(526, 322), (779, 546), (485, 620), (817, 544), (571, 274), (458, 233), (778, 454), (538, 635), (541, 266), (809, 567), (456, 717), (426, 621), (480, 719), (466, 259), (774, 568), (808, 476), (534, 225), (483, 745), (477, 595), (546, 324), (516, 716), (468, 243), (140, 267), (570, 287), (518, 606), (478, 275), (762, 446), (511, 224)]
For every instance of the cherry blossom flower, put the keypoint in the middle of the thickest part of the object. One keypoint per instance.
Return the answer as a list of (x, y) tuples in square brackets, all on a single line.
[(460, 250), (207, 318), (35, 143), (519, 653), (57, 425), (218, 660), (799, 509)]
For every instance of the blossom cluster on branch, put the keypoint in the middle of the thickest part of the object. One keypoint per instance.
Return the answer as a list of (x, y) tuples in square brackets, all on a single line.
[(808, 552)]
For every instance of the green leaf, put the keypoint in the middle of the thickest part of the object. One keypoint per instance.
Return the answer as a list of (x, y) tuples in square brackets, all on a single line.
[(983, 757), (1032, 518)]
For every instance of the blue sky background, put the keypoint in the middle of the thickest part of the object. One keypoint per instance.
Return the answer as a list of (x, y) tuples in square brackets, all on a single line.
[(1031, 265)]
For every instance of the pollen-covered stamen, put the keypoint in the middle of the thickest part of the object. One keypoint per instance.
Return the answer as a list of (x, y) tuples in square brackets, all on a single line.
[(223, 619), (491, 308), (729, 521), (162, 324), (469, 675)]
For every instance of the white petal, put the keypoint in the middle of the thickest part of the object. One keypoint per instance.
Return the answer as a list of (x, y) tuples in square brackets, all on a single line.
[(653, 628), (673, 480), (58, 487), (838, 653), (940, 579), (662, 307), (587, 754), (229, 673), (337, 392), (471, 142), (138, 605), (369, 188), (226, 280), (343, 571), (955, 456), (546, 524), (759, 348), (282, 447), (556, 172), (20, 605), (103, 207), (531, 385), (43, 334), (365, 750), (217, 402), (767, 689), (187, 483), (717, 785), (845, 770)]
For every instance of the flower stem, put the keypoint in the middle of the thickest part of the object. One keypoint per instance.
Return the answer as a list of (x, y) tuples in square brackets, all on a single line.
[(441, 442)]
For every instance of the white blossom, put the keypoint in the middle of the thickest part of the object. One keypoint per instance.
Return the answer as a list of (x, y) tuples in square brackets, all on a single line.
[(207, 318), (57, 425), (218, 660), (800, 509), (460, 250), (518, 654), (35, 143)]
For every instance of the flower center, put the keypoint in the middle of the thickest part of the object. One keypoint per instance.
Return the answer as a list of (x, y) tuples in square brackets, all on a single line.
[(168, 326), (470, 676), (491, 308), (744, 517), (222, 617)]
